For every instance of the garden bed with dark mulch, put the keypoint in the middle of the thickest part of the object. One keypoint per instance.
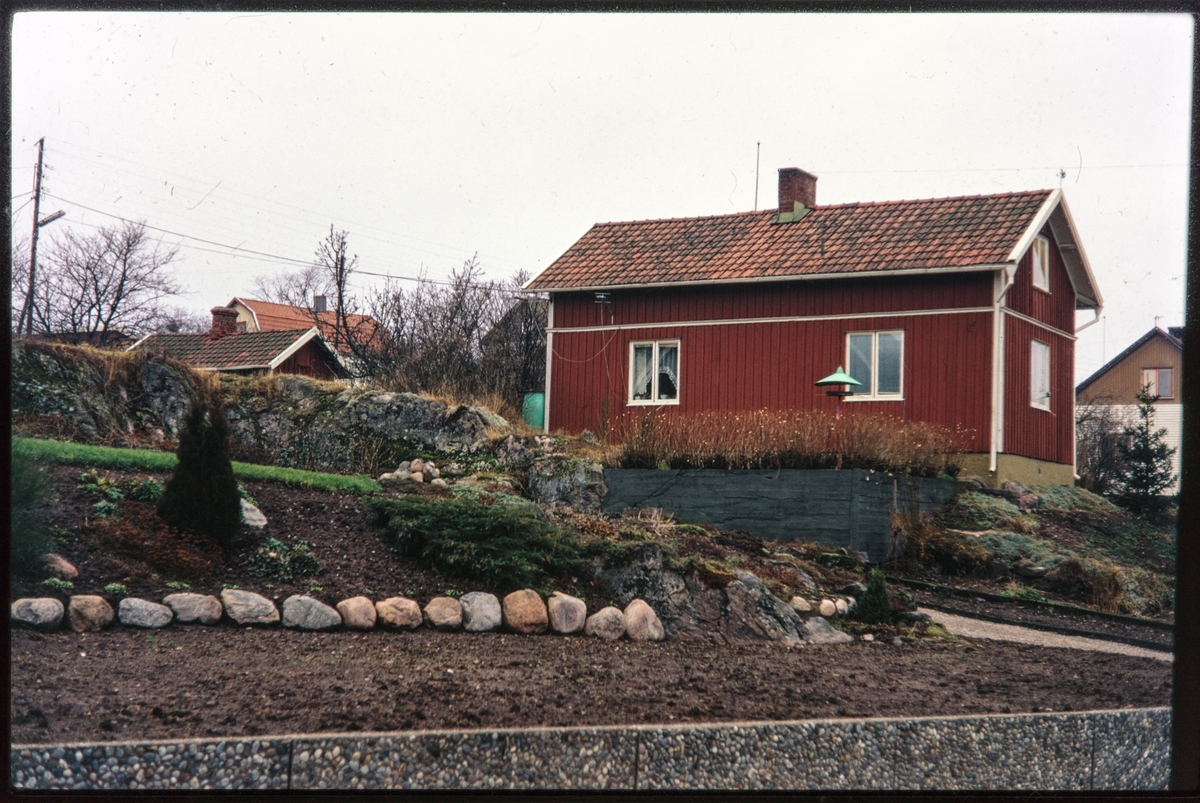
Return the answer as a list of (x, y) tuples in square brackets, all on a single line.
[(193, 681)]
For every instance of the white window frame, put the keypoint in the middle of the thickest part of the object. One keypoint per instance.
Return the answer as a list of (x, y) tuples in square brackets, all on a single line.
[(654, 401), (1042, 403), (1152, 376), (875, 395), (1040, 263)]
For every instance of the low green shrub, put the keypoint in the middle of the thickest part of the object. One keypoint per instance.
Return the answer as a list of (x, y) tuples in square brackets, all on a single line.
[(500, 547), (29, 510), (875, 607), (972, 510), (99, 485), (57, 584), (116, 589), (145, 489), (1073, 498), (277, 560)]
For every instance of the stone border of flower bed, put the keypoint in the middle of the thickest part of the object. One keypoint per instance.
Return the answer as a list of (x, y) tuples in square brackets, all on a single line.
[(1091, 750), (521, 611)]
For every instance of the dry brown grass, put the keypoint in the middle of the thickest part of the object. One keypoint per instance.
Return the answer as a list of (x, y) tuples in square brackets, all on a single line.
[(770, 439)]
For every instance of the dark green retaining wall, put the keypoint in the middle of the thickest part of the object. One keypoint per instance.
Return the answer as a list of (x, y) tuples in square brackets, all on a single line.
[(850, 508), (1092, 750)]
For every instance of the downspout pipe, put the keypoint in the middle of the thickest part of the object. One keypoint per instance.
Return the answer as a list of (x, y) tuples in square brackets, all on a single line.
[(1009, 276), (1099, 310)]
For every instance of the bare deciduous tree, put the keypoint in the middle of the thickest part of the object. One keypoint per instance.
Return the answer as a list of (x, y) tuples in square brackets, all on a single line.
[(114, 279), (1099, 435)]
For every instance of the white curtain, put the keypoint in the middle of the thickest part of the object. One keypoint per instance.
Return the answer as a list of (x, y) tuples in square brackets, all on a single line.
[(668, 372), (643, 360)]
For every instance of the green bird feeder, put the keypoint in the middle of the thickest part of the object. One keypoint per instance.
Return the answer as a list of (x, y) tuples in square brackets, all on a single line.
[(838, 377)]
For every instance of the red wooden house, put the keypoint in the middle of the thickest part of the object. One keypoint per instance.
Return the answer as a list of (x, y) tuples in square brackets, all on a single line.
[(958, 311)]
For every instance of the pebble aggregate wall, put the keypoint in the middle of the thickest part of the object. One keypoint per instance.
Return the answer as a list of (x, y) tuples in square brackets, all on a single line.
[(850, 508), (1094, 750)]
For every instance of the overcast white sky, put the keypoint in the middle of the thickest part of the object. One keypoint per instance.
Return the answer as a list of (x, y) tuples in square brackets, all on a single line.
[(432, 137)]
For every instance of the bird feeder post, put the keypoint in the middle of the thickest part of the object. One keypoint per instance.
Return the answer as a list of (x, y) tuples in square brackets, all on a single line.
[(839, 383)]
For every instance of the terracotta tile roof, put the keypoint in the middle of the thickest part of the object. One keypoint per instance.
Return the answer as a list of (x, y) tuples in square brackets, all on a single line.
[(241, 351), (846, 238), (274, 317)]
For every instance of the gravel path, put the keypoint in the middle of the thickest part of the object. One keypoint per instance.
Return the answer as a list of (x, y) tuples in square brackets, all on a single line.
[(976, 628)]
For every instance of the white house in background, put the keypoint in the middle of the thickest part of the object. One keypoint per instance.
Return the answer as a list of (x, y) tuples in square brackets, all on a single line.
[(1154, 359)]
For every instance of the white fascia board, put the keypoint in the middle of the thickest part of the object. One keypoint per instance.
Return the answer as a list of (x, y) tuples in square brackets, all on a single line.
[(140, 342), (292, 349), (253, 314), (1039, 220), (1079, 260), (789, 278)]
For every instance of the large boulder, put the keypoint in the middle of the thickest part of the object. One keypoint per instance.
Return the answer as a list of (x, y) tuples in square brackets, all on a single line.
[(644, 577), (59, 567), (398, 613), (135, 612), (642, 623), (358, 613), (87, 612), (252, 516), (567, 614), (41, 613), (481, 612), (817, 630), (444, 613), (755, 612), (248, 608), (524, 612), (606, 623), (305, 613), (189, 608), (557, 480)]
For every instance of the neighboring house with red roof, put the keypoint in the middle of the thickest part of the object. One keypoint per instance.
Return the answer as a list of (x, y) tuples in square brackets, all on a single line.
[(1156, 360), (266, 316), (224, 348), (957, 311)]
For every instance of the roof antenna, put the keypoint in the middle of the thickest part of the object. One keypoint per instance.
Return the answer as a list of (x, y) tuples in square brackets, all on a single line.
[(757, 150)]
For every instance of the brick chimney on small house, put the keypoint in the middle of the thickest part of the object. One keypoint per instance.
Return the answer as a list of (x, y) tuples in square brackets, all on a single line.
[(796, 185), (224, 323)]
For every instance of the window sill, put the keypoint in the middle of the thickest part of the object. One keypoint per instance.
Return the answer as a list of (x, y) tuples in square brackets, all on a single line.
[(874, 398), (1040, 407), (1045, 290), (651, 402)]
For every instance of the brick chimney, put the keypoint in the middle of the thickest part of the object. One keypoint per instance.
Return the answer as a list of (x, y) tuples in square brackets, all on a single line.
[(224, 323), (796, 185)]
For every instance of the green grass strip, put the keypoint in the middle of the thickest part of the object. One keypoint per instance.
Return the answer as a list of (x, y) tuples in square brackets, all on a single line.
[(148, 460)]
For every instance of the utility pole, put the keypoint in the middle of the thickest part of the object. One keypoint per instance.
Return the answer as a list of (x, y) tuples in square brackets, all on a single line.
[(27, 308)]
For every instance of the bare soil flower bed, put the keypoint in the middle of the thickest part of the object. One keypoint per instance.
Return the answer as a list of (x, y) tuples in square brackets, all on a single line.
[(194, 681)]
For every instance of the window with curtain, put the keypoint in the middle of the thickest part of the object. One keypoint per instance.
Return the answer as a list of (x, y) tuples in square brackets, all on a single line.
[(876, 359), (1039, 379), (654, 372), (1041, 263)]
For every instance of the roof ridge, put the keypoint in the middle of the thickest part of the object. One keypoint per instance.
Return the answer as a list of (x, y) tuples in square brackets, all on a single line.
[(820, 207)]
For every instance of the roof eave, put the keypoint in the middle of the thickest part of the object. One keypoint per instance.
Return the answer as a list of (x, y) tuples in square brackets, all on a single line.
[(787, 278)]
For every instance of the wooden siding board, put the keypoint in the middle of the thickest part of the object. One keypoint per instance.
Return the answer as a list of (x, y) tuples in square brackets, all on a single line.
[(1029, 431), (1056, 308), (1119, 384), (743, 367)]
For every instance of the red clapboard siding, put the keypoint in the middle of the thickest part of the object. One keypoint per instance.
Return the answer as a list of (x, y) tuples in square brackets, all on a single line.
[(307, 361), (1056, 308), (745, 367), (1028, 430), (775, 299)]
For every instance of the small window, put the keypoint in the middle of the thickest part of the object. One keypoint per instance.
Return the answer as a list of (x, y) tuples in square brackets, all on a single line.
[(1160, 381), (654, 373), (876, 359), (1041, 263), (1039, 375)]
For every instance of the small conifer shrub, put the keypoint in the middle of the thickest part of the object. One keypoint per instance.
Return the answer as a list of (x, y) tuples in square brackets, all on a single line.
[(875, 607), (202, 494)]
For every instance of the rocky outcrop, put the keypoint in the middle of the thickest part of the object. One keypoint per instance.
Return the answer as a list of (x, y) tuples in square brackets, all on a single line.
[(557, 480), (753, 610), (644, 577)]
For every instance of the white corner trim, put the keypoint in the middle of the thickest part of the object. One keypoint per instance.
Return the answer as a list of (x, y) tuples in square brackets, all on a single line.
[(140, 341), (296, 346), (1080, 254), (1039, 221), (549, 363), (253, 314)]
